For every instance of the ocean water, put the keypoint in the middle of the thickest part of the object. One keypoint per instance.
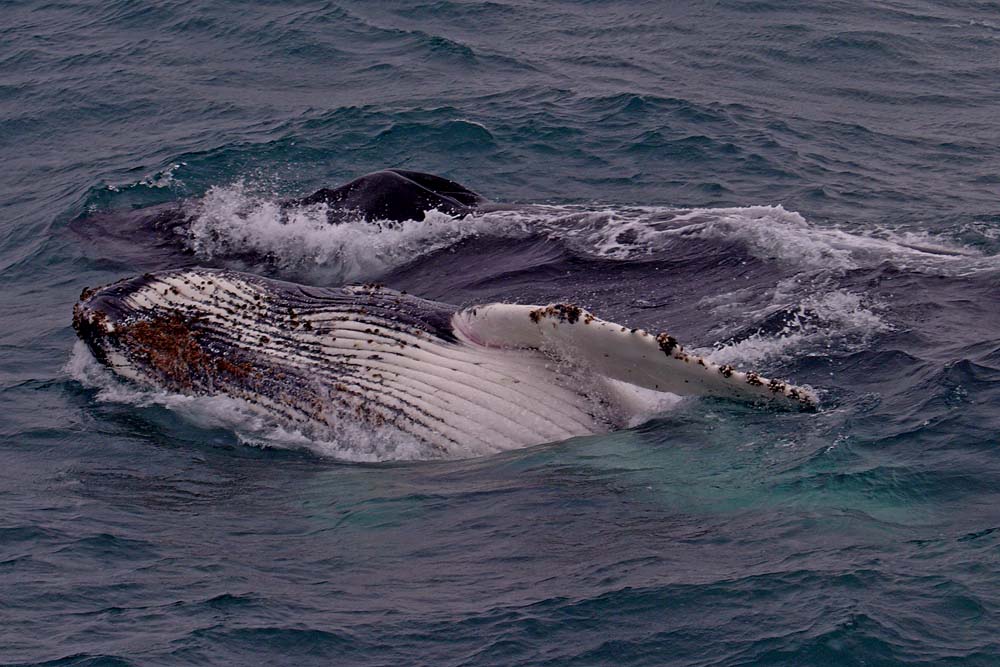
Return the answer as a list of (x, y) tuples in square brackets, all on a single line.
[(810, 189)]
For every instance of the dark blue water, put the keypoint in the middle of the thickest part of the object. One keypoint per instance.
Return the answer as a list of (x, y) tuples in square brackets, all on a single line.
[(812, 189)]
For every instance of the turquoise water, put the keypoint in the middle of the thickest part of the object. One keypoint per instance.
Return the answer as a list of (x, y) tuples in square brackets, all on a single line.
[(810, 189)]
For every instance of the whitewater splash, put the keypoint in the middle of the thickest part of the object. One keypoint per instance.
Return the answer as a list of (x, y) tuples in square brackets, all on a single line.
[(816, 322), (165, 178), (233, 220)]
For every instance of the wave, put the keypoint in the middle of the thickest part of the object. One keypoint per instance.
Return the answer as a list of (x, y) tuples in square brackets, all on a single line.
[(163, 178), (817, 321), (233, 220)]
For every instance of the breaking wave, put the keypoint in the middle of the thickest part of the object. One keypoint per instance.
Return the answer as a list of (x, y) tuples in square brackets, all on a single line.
[(816, 322), (233, 220)]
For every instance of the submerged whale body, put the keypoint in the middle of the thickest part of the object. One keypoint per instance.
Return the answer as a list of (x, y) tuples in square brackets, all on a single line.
[(498, 375), (154, 235)]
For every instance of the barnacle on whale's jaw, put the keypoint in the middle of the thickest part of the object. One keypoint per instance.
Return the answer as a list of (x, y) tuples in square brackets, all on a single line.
[(101, 312), (158, 344)]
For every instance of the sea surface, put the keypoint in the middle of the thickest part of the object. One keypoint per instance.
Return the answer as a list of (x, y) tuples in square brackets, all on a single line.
[(810, 189)]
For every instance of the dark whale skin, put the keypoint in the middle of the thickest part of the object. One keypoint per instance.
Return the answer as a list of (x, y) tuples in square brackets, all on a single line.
[(396, 195)]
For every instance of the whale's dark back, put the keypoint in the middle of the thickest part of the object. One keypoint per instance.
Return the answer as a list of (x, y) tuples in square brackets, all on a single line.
[(396, 195)]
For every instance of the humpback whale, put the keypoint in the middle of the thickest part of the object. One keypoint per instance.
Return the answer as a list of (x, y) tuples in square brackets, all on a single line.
[(310, 357)]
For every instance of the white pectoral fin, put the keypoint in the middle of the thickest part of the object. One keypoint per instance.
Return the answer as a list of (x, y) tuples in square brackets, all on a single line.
[(627, 355)]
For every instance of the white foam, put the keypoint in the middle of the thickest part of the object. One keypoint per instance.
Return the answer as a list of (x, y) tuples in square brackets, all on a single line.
[(165, 178), (770, 233), (815, 322), (232, 221)]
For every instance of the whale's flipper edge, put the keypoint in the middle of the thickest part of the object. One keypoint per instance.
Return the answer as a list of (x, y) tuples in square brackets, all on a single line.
[(656, 362)]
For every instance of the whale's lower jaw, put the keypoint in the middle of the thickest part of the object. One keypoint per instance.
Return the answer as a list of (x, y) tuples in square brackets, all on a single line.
[(311, 358)]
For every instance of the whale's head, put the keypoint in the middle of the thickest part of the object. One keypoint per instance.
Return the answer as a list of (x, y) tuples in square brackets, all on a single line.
[(177, 331), (211, 333), (300, 353), (103, 313)]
